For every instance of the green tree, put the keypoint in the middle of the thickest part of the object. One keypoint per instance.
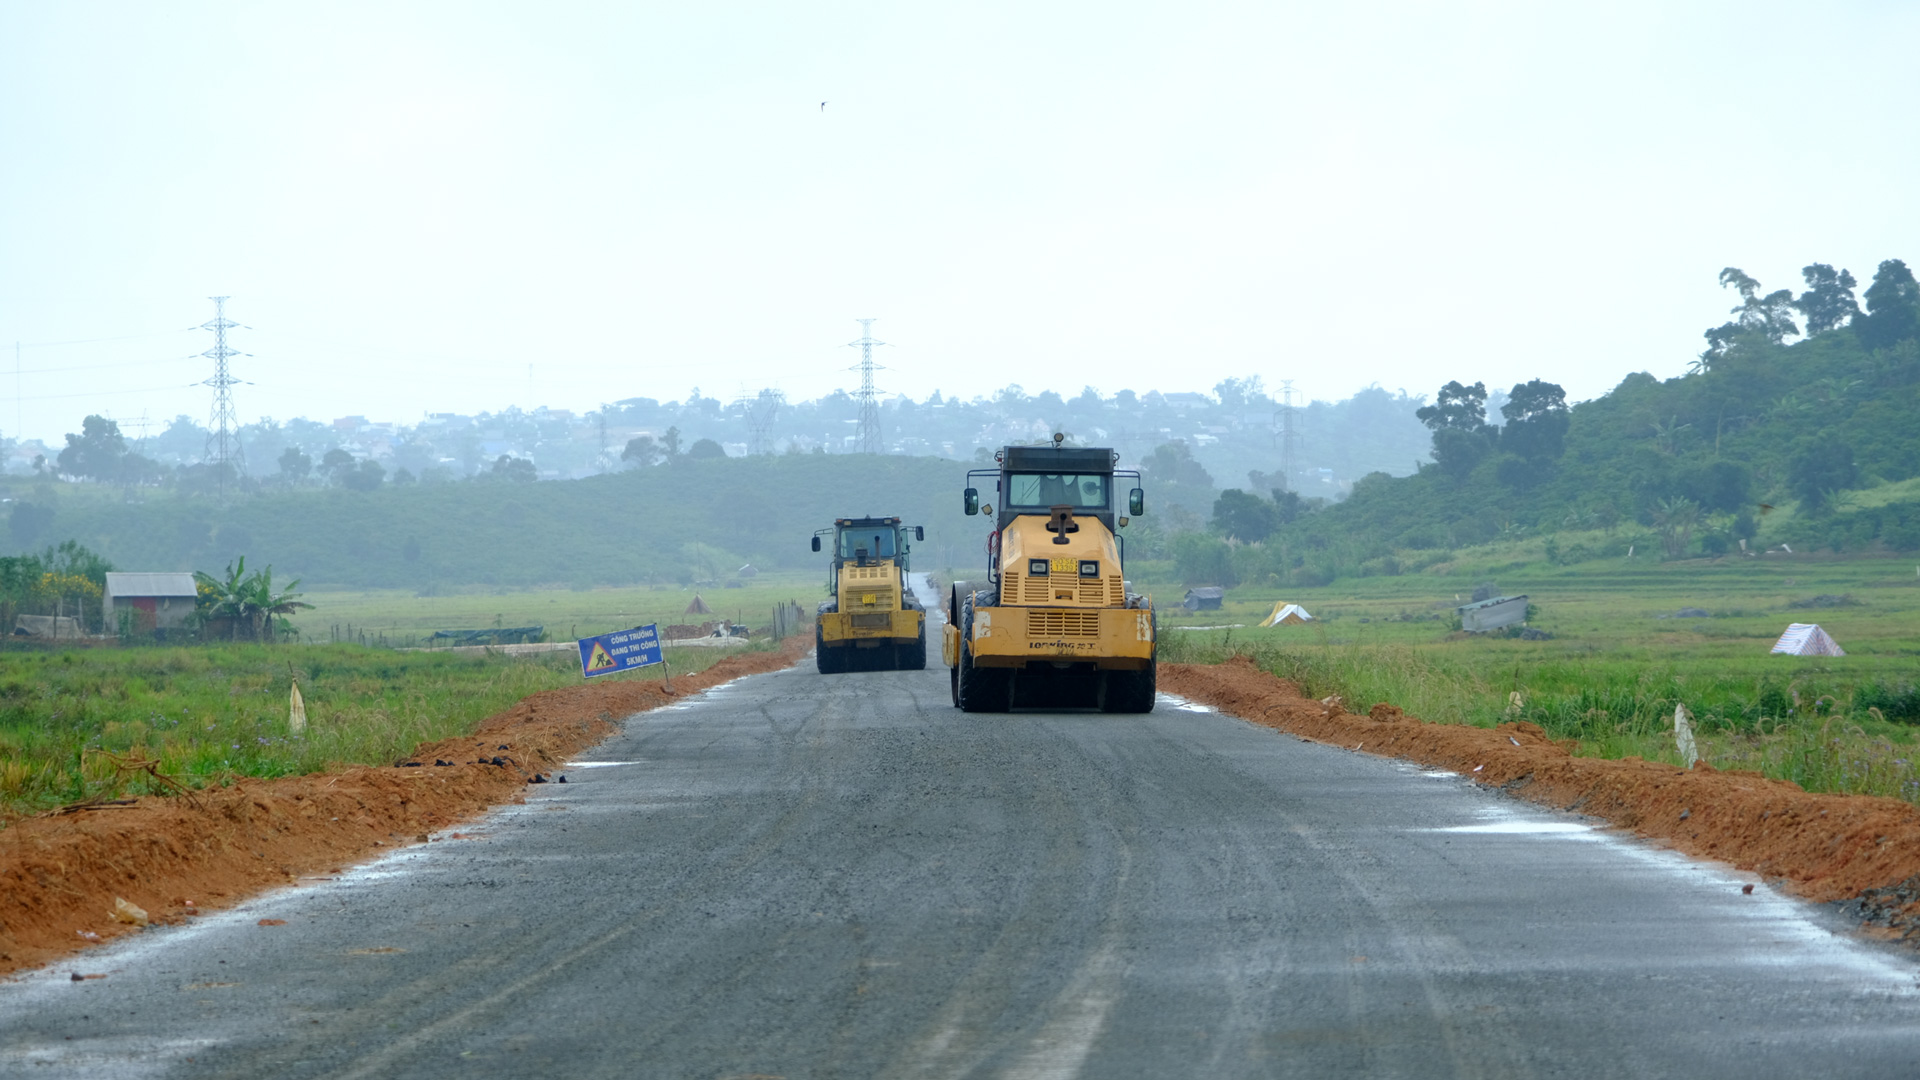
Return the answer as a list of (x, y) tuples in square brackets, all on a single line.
[(518, 470), (1459, 408), (1675, 518), (1200, 559), (706, 449), (296, 465), (1725, 486), (1244, 517), (670, 442), (99, 452), (1893, 308), (335, 465), (366, 476), (642, 451), (1828, 303), (1237, 393), (1177, 482), (1820, 467), (1537, 419), (1760, 319), (244, 605), (1458, 420)]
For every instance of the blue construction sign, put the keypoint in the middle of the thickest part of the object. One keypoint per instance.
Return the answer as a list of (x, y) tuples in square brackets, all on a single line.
[(622, 650)]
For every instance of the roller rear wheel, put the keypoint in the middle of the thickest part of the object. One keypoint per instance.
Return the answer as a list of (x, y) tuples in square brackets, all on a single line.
[(979, 689)]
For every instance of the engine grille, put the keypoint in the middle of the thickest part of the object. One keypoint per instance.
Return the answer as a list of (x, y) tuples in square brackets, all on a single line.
[(1027, 589), (1063, 624)]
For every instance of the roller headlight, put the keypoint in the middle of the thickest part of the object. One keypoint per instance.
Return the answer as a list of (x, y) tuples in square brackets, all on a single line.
[(1037, 567), (1089, 568)]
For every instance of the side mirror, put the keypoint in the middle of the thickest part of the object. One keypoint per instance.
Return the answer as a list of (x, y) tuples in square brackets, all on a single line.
[(1136, 502), (919, 532), (816, 543), (972, 496)]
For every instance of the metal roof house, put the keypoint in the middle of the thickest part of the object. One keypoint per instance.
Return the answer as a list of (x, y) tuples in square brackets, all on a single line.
[(1204, 598), (1494, 614), (152, 601)]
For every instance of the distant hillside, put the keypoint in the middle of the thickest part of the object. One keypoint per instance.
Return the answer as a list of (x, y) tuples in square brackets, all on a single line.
[(1762, 441), (693, 519)]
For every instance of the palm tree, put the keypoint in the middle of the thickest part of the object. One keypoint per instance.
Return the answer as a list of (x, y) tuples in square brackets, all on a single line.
[(221, 600), (1676, 518), (263, 604), (244, 600)]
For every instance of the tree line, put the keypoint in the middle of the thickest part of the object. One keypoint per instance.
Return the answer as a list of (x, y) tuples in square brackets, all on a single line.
[(1796, 403)]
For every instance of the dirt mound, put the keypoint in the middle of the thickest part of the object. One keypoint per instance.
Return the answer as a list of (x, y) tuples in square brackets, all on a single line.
[(1823, 847), (61, 874)]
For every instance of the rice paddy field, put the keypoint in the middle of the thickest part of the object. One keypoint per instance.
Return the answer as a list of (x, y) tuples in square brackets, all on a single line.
[(1621, 657)]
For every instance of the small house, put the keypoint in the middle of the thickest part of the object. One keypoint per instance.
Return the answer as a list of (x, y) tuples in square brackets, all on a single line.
[(1204, 598), (1494, 614), (152, 601)]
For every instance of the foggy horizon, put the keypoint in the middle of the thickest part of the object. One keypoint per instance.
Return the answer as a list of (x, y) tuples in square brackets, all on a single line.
[(478, 207)]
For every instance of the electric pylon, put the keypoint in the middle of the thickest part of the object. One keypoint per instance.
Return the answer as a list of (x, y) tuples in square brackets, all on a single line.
[(760, 411), (223, 444), (867, 437), (1286, 434)]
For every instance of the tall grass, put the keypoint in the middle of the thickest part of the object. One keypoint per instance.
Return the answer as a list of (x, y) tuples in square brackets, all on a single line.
[(70, 720), (1813, 725)]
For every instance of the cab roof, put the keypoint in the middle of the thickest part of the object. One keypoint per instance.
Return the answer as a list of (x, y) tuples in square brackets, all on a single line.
[(1049, 459)]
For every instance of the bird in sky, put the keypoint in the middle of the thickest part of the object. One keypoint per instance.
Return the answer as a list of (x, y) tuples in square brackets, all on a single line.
[(823, 106)]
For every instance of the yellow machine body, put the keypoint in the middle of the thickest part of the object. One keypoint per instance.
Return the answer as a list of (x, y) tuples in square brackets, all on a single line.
[(1063, 614), (871, 620), (870, 610)]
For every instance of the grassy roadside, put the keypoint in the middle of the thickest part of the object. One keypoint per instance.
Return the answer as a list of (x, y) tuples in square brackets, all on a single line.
[(208, 714), (1619, 662)]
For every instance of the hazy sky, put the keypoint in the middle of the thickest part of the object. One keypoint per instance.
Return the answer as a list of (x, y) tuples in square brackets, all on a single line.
[(463, 206)]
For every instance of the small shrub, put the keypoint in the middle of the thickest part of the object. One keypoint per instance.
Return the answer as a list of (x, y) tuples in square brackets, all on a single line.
[(1896, 701)]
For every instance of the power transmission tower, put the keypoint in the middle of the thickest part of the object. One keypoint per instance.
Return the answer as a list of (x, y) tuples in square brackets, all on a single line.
[(760, 411), (1286, 434), (867, 437), (140, 426), (223, 445)]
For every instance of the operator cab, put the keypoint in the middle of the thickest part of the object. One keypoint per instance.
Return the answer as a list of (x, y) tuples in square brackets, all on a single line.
[(1041, 480)]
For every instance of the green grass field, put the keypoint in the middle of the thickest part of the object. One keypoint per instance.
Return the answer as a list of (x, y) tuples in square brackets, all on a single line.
[(399, 617), (1615, 669), (209, 713)]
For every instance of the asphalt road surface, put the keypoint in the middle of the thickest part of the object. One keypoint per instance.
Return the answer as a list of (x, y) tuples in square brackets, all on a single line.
[(808, 876)]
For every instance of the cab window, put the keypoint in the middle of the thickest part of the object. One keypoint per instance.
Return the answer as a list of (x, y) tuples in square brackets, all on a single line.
[(876, 543), (1041, 490)]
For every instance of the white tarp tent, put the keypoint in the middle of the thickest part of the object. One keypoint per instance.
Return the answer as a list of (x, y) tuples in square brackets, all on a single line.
[(1285, 614), (1807, 639)]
